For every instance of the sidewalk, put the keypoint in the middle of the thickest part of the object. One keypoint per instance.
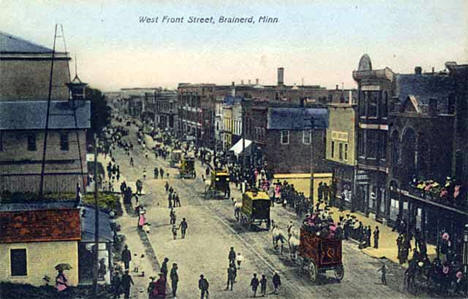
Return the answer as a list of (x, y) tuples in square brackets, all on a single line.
[(135, 244), (387, 241)]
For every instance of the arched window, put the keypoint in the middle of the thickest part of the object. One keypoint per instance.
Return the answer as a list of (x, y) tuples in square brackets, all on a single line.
[(362, 103), (423, 157), (409, 152), (395, 147)]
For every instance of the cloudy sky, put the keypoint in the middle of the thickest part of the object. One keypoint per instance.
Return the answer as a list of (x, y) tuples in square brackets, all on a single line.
[(317, 40)]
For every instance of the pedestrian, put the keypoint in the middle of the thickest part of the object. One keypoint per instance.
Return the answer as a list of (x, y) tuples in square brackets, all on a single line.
[(115, 283), (151, 287), (156, 173), (183, 227), (164, 267), (174, 231), (174, 279), (368, 236), (232, 256), (144, 173), (177, 200), (254, 284), (263, 285), (131, 162), (203, 285), (276, 282), (383, 273), (376, 237), (231, 277), (127, 283), (61, 281), (126, 257), (161, 172), (166, 186), (169, 200), (172, 217), (239, 259)]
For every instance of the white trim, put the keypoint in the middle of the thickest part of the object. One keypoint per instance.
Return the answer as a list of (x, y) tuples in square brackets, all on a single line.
[(281, 137)]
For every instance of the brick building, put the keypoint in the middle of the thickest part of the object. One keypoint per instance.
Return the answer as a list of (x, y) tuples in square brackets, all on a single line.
[(289, 131)]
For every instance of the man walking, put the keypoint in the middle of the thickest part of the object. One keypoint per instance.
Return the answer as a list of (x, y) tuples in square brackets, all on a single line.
[(254, 284), (203, 285), (232, 256), (116, 285), (166, 186), (183, 227), (276, 282), (174, 231), (126, 257), (174, 279), (376, 237), (383, 274), (127, 282), (172, 215), (230, 280), (263, 285), (164, 267)]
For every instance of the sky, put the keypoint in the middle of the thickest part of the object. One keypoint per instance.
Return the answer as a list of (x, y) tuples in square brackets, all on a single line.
[(317, 41)]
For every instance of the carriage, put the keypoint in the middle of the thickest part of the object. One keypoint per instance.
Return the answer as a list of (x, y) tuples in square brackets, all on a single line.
[(218, 185), (320, 254), (187, 168), (175, 158), (255, 209)]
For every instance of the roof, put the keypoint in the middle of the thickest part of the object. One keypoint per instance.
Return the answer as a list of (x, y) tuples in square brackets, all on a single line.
[(260, 195), (40, 226), (24, 115), (88, 228), (423, 87), (13, 44), (301, 175), (297, 118), (42, 205)]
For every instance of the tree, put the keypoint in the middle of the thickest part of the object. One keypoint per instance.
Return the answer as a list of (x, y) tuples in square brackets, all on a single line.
[(100, 112)]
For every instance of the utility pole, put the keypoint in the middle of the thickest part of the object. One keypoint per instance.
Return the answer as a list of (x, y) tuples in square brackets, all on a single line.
[(46, 132), (311, 196), (243, 136), (96, 223)]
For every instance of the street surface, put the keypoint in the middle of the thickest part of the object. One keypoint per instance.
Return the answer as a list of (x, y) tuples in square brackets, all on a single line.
[(213, 229)]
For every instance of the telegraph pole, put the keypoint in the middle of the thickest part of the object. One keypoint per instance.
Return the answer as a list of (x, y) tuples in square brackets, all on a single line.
[(96, 223)]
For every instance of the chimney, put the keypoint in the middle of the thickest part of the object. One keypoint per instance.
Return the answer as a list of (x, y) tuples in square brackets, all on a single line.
[(256, 81), (350, 99), (280, 76), (249, 82), (233, 89), (432, 107), (242, 82), (337, 87), (433, 70), (418, 70)]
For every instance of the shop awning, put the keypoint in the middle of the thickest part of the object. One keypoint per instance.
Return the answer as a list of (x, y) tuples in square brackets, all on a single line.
[(237, 148)]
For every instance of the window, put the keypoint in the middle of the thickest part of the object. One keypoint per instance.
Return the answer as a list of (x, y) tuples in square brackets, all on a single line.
[(333, 149), (285, 137), (340, 150), (306, 137), (64, 141), (346, 152), (18, 262), (361, 144), (384, 107), (32, 142), (372, 108)]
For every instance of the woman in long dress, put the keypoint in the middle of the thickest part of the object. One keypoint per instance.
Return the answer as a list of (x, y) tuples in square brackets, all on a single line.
[(61, 281)]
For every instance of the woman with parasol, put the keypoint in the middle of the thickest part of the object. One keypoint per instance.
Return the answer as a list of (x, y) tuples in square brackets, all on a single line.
[(61, 282)]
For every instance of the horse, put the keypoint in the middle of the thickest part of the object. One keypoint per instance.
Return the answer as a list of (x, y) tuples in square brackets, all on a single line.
[(278, 235), (293, 243), (237, 209)]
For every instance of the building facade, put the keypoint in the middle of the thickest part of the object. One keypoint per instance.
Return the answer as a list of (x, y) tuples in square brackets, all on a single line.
[(374, 94)]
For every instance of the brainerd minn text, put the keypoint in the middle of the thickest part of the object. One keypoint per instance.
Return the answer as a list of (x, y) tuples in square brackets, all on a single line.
[(206, 20)]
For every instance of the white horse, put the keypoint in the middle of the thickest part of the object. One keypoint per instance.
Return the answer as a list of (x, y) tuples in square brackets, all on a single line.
[(293, 242), (278, 235), (237, 209)]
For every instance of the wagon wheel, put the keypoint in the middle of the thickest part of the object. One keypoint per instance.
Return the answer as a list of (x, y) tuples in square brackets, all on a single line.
[(313, 271), (339, 272)]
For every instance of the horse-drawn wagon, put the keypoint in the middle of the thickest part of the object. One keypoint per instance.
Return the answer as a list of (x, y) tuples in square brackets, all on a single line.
[(218, 185), (255, 209), (187, 167), (319, 254)]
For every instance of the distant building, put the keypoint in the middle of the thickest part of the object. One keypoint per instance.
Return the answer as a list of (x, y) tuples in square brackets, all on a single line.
[(24, 83)]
